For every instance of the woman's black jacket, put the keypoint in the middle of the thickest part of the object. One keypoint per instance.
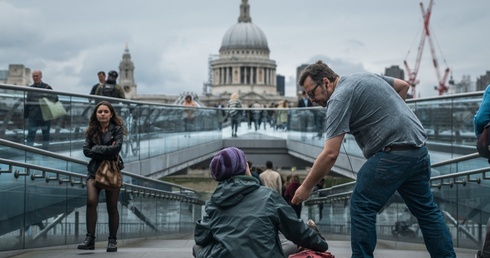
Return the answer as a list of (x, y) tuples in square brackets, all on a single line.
[(107, 148)]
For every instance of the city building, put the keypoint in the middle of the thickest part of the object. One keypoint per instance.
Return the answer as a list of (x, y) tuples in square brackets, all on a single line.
[(244, 65), (395, 72), (17, 74), (465, 85), (281, 84), (483, 81), (299, 69), (4, 75)]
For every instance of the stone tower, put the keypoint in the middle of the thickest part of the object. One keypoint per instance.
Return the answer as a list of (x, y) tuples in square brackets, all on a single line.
[(18, 74), (126, 74)]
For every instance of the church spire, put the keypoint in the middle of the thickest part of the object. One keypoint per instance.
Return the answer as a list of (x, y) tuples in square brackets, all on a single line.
[(126, 74), (244, 12)]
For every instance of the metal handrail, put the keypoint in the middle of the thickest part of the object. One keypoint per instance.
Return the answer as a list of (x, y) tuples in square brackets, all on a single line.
[(78, 161), (454, 177), (63, 176), (443, 180), (455, 160)]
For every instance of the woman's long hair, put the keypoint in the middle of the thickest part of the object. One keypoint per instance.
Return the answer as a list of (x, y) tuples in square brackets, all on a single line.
[(94, 128)]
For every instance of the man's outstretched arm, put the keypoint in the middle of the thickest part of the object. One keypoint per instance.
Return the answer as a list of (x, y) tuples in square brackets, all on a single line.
[(323, 163)]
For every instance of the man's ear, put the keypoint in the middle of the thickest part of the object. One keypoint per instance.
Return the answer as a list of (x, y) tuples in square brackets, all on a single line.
[(326, 81)]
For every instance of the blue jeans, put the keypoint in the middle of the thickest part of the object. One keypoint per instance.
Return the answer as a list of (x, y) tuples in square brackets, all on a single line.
[(407, 172)]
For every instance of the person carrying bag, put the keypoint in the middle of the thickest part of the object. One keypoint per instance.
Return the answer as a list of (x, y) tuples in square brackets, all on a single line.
[(104, 138), (481, 123), (35, 108)]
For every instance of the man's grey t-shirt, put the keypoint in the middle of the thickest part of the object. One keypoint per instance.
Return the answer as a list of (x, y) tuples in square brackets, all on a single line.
[(367, 106)]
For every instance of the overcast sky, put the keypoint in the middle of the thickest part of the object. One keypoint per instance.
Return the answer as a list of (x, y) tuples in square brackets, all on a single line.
[(170, 41)]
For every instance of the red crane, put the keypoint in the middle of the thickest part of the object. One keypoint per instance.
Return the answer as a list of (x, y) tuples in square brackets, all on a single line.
[(412, 75)]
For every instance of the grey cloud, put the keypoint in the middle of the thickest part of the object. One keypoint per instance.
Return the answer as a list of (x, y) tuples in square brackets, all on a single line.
[(171, 40), (339, 66), (353, 44)]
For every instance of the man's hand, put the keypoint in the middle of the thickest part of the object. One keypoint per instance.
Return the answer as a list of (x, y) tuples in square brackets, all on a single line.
[(301, 194)]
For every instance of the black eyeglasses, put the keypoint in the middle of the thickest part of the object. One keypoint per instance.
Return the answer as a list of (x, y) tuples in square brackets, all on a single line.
[(311, 94)]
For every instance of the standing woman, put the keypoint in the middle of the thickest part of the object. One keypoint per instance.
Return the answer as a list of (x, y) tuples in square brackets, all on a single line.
[(104, 138), (282, 115), (188, 114), (234, 112)]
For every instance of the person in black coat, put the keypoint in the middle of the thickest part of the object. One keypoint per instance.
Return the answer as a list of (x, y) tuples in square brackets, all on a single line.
[(254, 172), (101, 76), (104, 138), (304, 115), (304, 101)]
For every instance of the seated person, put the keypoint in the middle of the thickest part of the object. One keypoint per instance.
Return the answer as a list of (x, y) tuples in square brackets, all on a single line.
[(243, 219)]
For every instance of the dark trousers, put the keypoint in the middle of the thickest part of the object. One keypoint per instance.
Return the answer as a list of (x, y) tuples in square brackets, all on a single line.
[(32, 127), (234, 124), (188, 123)]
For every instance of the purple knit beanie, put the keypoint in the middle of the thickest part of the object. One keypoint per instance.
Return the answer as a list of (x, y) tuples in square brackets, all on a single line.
[(227, 163)]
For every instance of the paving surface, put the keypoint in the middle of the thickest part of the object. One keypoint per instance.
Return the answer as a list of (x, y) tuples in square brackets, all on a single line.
[(182, 248)]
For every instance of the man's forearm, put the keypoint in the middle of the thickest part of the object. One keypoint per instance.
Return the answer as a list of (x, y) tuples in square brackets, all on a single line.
[(318, 171), (401, 87)]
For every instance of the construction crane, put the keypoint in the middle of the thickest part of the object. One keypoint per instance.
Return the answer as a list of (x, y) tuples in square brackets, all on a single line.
[(412, 75)]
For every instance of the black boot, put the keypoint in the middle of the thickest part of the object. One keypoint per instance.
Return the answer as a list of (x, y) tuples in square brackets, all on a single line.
[(112, 245), (88, 244)]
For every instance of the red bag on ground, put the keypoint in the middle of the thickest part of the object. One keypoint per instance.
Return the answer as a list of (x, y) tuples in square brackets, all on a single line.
[(312, 254), (307, 253)]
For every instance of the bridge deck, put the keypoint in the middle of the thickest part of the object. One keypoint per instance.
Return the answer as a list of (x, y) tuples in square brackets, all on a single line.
[(182, 248)]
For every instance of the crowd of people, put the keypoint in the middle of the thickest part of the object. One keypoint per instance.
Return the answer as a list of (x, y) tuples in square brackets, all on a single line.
[(276, 116)]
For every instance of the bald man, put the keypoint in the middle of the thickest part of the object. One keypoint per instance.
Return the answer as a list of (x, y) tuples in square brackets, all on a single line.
[(32, 110)]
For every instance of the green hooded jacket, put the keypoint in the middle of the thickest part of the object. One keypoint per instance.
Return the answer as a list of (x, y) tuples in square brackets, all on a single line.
[(243, 220)]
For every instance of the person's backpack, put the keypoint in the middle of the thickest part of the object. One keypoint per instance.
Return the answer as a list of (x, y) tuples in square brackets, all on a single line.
[(483, 142), (108, 90)]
